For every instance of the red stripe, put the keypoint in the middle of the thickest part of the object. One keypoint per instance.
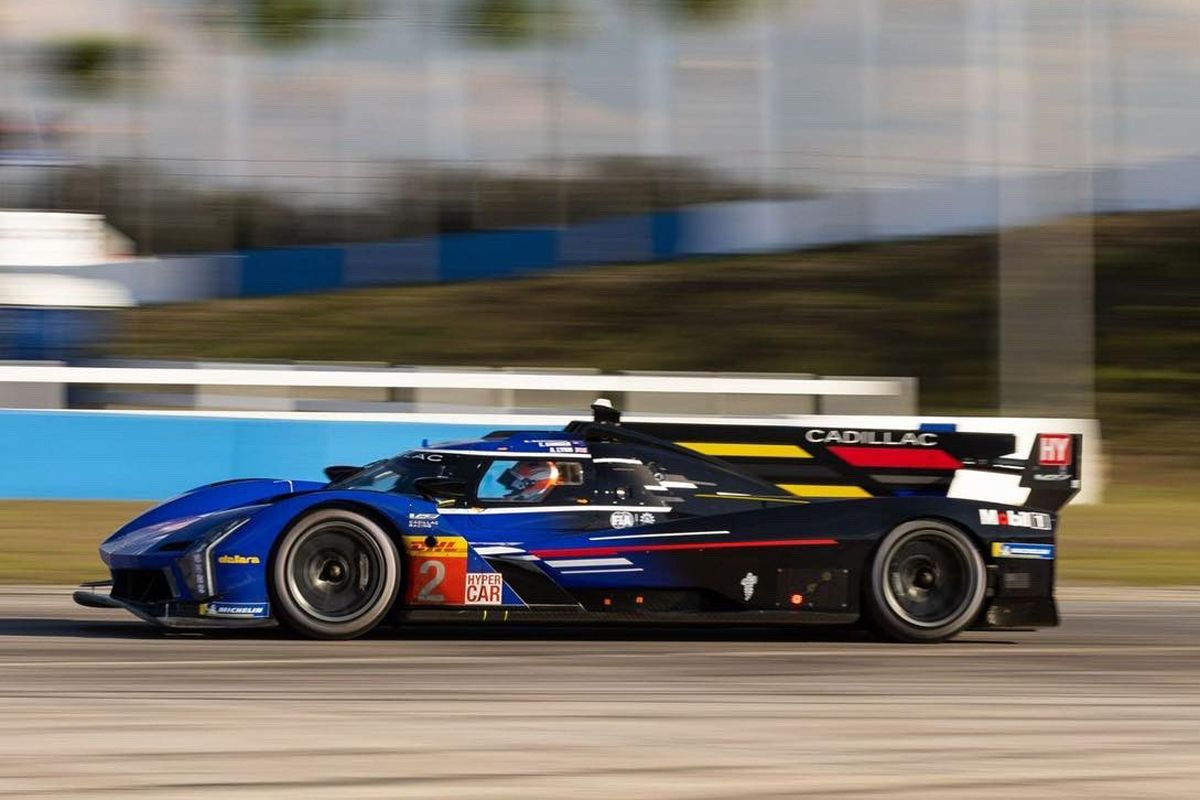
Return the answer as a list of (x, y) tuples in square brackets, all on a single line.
[(573, 552), (896, 457)]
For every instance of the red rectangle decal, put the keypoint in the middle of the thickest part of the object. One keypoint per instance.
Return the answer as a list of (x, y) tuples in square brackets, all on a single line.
[(897, 457), (1054, 450)]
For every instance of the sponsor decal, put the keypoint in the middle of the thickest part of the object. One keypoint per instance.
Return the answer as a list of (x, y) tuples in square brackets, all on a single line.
[(437, 570), (433, 457), (647, 519), (484, 588), (897, 438), (1052, 476), (244, 610), (422, 521), (1034, 550), (621, 519), (442, 546), (1054, 450), (231, 559), (748, 584), (1015, 519)]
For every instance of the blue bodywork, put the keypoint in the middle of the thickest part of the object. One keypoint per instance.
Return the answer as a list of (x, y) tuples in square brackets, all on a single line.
[(171, 537), (627, 522)]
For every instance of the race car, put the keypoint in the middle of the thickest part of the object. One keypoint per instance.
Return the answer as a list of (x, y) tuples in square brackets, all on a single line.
[(605, 520)]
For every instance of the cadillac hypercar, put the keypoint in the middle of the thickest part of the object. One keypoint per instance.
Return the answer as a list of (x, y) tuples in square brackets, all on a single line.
[(918, 534)]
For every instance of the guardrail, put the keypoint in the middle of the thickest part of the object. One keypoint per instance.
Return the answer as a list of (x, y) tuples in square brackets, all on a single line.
[(430, 389), (400, 379)]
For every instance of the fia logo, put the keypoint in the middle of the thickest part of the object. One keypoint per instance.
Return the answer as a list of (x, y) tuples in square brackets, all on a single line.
[(748, 584), (621, 519)]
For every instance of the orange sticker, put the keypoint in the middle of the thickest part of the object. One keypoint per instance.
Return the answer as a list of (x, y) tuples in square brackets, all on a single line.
[(437, 570)]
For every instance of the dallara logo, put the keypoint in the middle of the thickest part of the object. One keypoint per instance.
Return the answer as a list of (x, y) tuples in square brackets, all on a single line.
[(238, 560)]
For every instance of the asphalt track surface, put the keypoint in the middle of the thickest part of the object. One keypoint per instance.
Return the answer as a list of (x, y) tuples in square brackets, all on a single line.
[(94, 704)]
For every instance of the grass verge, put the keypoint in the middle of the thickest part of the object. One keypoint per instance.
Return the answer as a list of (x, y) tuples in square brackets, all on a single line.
[(55, 541)]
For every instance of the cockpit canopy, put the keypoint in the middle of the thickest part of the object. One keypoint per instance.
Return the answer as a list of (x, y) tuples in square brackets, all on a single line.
[(516, 469)]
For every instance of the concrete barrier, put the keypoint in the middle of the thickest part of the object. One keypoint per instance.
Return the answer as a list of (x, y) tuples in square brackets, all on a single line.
[(121, 455)]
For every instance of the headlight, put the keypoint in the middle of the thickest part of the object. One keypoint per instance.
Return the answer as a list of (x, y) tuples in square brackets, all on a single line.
[(196, 564)]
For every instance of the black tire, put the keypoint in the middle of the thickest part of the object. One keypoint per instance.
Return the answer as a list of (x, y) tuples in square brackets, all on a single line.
[(927, 582), (335, 575)]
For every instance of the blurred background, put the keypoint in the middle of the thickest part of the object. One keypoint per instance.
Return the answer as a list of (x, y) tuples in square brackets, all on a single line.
[(992, 204)]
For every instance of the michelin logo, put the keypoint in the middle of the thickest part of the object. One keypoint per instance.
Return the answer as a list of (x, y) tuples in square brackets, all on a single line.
[(243, 610), (1043, 552), (748, 583)]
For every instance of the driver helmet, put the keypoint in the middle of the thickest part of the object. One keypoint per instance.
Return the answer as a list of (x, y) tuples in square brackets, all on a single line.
[(529, 480)]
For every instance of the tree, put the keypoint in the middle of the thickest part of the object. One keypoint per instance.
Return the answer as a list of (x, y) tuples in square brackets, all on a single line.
[(97, 65), (283, 23), (510, 23)]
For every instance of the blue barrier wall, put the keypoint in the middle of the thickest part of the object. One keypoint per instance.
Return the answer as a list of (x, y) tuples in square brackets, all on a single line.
[(89, 455), (956, 206), (292, 269), (496, 254)]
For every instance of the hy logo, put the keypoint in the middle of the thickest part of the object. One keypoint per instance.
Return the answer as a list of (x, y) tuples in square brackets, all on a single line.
[(1054, 450)]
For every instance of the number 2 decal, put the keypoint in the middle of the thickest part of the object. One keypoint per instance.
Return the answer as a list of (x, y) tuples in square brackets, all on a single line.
[(437, 570), (426, 593)]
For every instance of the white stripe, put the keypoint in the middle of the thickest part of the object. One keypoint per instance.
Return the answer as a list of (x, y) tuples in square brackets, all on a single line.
[(498, 550), (678, 484), (520, 455), (595, 571), (618, 461), (589, 562), (550, 509), (658, 535), (419, 379), (650, 488)]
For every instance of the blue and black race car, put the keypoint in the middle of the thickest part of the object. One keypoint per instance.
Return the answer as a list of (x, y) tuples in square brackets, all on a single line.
[(605, 520)]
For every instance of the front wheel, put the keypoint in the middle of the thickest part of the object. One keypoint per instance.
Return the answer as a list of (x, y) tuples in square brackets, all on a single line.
[(927, 582), (335, 575)]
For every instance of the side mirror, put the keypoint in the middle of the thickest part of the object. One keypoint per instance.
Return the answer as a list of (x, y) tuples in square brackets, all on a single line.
[(434, 488), (340, 472)]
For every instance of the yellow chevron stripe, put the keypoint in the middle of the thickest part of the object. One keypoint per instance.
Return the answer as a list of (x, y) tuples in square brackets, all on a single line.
[(746, 450), (819, 490)]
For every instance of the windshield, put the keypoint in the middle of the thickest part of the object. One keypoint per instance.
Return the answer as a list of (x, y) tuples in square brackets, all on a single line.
[(398, 474)]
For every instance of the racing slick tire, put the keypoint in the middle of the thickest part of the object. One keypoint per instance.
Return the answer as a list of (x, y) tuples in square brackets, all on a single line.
[(335, 575), (927, 582)]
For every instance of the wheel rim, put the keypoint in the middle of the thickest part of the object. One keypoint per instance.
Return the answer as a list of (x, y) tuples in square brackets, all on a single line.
[(335, 571), (929, 580)]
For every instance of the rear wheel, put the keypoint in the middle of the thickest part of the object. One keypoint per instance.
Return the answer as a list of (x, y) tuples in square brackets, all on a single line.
[(927, 582), (335, 575)]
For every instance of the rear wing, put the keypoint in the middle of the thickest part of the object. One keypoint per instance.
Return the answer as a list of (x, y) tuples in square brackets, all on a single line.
[(837, 462), (829, 462), (1046, 481)]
